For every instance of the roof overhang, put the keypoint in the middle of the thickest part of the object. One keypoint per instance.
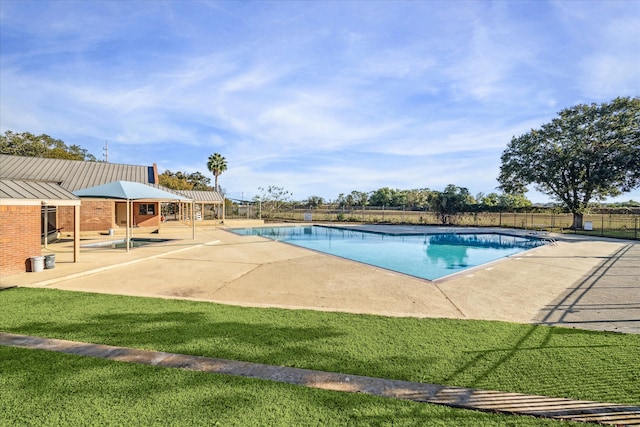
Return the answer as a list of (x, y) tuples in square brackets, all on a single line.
[(35, 193), (198, 196), (38, 202)]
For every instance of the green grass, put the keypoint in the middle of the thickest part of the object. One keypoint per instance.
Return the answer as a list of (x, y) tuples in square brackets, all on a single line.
[(491, 355), (40, 388)]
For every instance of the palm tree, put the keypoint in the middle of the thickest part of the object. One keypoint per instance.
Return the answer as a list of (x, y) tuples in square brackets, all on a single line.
[(216, 165)]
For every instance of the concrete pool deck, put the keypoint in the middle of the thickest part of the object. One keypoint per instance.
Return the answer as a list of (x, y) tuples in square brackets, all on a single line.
[(581, 282)]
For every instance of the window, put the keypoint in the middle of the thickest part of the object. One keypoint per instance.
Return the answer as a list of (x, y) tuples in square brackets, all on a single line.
[(147, 209)]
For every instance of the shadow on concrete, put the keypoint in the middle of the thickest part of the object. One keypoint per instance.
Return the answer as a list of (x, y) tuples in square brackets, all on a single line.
[(608, 298)]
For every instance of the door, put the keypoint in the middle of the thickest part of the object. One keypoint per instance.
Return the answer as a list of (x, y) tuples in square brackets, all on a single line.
[(121, 214)]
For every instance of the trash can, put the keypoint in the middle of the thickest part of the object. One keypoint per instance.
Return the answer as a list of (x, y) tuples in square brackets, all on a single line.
[(111, 232), (37, 264), (50, 261)]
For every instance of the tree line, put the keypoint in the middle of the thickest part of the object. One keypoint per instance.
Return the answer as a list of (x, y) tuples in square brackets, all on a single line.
[(29, 145), (446, 204), (451, 201), (418, 199)]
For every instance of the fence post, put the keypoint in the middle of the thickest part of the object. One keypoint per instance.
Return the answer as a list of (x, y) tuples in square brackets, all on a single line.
[(602, 226), (635, 229), (532, 222)]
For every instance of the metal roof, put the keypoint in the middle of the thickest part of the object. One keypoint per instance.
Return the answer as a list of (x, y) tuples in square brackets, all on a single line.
[(72, 175), (129, 191), (16, 192), (201, 196)]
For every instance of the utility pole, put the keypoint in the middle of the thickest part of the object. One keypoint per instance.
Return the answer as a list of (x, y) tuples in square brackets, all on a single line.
[(106, 151)]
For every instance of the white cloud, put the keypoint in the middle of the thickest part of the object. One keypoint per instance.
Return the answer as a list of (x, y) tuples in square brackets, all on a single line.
[(321, 97)]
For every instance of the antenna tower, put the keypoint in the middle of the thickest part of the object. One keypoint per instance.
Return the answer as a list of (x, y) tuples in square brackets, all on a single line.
[(106, 151)]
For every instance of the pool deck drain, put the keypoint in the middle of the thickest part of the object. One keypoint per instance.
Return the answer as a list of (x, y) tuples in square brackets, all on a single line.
[(459, 397)]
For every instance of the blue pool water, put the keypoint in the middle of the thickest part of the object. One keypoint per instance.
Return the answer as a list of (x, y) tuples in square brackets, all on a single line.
[(426, 256)]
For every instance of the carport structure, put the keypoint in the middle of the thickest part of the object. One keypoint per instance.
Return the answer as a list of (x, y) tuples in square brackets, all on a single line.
[(133, 191), (208, 205)]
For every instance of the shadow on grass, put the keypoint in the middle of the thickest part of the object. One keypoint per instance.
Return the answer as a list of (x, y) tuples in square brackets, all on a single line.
[(45, 388), (606, 299), (450, 396), (491, 355), (260, 342)]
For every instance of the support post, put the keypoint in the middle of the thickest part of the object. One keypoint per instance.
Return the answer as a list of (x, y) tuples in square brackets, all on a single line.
[(46, 225), (126, 239), (76, 233)]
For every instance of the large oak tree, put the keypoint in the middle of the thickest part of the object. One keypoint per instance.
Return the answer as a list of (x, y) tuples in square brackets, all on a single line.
[(588, 152)]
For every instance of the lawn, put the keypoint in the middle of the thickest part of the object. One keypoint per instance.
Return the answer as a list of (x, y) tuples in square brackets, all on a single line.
[(39, 386)]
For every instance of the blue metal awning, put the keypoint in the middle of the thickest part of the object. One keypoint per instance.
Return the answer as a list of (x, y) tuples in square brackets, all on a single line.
[(128, 190)]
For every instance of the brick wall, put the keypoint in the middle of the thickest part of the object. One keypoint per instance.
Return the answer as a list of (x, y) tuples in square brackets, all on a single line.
[(19, 237), (146, 220), (65, 218), (95, 215), (99, 215)]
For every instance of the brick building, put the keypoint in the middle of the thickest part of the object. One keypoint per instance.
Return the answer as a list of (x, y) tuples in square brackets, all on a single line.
[(73, 175), (49, 176)]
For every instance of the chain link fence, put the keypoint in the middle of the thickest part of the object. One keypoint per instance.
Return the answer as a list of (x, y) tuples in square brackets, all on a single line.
[(620, 225)]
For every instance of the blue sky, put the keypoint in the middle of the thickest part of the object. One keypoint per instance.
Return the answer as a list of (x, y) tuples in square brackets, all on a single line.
[(318, 97)]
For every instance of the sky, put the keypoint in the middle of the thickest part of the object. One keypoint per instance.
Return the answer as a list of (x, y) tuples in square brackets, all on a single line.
[(317, 97)]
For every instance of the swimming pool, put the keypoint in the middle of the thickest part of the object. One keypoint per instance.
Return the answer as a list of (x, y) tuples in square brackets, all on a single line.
[(426, 256)]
